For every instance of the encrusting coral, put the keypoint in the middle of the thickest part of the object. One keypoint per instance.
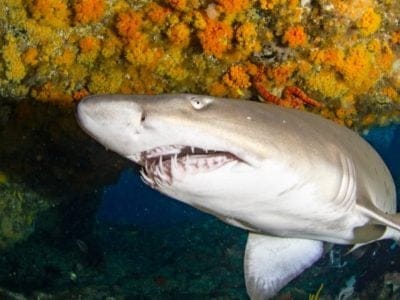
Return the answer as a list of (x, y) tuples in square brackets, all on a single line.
[(60, 51), (18, 210)]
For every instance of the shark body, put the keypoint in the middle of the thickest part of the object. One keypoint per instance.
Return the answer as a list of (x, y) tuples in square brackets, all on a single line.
[(292, 179)]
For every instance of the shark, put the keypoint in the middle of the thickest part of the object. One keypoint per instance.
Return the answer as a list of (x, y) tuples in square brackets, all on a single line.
[(294, 180)]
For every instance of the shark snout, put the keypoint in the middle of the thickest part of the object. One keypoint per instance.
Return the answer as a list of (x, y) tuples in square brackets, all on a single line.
[(114, 120), (109, 111)]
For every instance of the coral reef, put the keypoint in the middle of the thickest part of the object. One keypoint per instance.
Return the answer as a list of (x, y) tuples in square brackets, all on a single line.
[(59, 51)]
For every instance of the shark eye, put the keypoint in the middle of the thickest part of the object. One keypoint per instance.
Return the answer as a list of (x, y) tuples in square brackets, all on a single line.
[(200, 102)]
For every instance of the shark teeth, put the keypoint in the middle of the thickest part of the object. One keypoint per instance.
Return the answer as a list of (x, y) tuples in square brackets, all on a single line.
[(164, 170), (165, 164), (161, 151)]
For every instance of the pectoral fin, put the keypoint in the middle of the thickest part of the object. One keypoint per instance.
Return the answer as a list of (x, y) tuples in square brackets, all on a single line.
[(368, 209), (271, 262)]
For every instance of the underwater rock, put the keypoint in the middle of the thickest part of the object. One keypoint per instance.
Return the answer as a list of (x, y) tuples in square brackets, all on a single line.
[(47, 162), (19, 209)]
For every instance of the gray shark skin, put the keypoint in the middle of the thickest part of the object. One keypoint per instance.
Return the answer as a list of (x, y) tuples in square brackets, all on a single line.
[(291, 178)]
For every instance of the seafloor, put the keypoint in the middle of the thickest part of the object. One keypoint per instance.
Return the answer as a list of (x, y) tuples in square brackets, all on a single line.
[(77, 223)]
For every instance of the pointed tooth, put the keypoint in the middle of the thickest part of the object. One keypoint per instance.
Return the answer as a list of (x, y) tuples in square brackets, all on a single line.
[(164, 177), (158, 181), (161, 165), (176, 165), (157, 172), (173, 162), (145, 177)]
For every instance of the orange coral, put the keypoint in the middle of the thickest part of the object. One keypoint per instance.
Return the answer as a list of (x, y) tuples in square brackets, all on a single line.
[(343, 113), (78, 95), (87, 11), (148, 47), (140, 53), (129, 23), (369, 22), (199, 21), (105, 82), (66, 59), (295, 36), (355, 70), (217, 89), (111, 45), (252, 69), (385, 57), (157, 13), (352, 9), (358, 68), (89, 49), (269, 4), (179, 34), (395, 38), (236, 77), (280, 74), (30, 56), (326, 83), (50, 12), (88, 44), (246, 36), (178, 4), (49, 93), (233, 6), (216, 38), (329, 56)]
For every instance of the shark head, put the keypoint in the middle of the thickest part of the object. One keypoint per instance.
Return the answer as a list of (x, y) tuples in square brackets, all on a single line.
[(185, 143)]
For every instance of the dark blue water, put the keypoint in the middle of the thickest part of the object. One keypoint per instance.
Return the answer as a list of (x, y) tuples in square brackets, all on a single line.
[(130, 201), (386, 141)]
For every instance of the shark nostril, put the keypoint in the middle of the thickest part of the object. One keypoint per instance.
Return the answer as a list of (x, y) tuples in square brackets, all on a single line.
[(143, 117)]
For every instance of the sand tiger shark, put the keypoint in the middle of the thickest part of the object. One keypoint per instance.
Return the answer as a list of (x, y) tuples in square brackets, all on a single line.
[(291, 178)]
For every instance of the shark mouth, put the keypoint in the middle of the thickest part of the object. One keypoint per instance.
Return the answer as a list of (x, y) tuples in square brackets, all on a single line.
[(163, 165)]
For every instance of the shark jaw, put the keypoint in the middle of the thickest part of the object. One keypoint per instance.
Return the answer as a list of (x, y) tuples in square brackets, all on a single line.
[(165, 164)]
